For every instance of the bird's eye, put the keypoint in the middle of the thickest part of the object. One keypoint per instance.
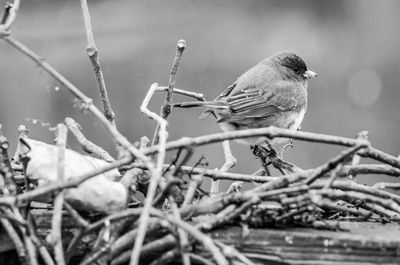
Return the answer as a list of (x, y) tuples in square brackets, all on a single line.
[(296, 70)]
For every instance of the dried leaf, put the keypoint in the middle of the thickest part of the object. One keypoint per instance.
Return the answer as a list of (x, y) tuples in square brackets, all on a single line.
[(100, 193)]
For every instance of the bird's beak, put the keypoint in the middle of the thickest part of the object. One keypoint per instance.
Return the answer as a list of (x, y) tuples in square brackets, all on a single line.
[(309, 74)]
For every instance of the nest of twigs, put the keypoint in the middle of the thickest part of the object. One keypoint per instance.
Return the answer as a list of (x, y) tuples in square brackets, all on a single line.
[(177, 213)]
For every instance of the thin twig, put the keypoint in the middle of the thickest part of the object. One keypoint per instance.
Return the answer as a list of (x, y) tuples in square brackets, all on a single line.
[(76, 216), (198, 96), (204, 239), (386, 185), (363, 135), (191, 191), (87, 102), (167, 105), (54, 238), (347, 185), (93, 54), (94, 59), (13, 220), (156, 176), (331, 164), (15, 239), (270, 132), (230, 161), (183, 237), (334, 174), (43, 251), (199, 259), (166, 108), (381, 156), (346, 170), (232, 252), (88, 146), (167, 257), (338, 194)]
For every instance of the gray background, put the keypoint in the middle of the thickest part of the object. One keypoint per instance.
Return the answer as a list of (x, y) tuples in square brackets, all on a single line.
[(353, 45)]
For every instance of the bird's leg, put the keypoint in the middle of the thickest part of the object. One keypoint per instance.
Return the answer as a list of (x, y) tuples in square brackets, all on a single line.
[(230, 161), (262, 153)]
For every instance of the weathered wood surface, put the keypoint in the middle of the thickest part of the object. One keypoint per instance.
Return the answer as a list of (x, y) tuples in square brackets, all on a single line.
[(363, 243)]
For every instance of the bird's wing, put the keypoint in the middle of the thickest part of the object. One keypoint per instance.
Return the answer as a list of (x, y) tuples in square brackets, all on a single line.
[(226, 92), (254, 102), (210, 110)]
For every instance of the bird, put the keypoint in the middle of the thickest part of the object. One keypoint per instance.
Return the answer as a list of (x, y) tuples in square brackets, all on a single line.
[(271, 93)]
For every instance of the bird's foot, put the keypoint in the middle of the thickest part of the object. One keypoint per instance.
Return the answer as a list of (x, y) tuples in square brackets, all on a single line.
[(269, 156)]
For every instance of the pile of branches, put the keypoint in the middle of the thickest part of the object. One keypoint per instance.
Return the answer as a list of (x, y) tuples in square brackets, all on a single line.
[(177, 213)]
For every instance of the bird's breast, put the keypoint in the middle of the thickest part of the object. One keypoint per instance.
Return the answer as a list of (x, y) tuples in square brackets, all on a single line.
[(296, 119)]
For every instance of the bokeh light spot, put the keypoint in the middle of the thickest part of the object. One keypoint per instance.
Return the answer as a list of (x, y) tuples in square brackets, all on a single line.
[(364, 87)]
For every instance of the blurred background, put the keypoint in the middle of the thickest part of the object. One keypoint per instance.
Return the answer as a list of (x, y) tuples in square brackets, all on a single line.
[(354, 46)]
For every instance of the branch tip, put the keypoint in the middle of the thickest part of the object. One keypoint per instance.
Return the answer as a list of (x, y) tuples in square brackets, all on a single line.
[(181, 45)]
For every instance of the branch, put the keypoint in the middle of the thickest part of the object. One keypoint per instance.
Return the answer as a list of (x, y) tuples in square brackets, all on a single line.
[(191, 94), (270, 132), (346, 170), (204, 239), (87, 102), (332, 164), (88, 146), (94, 59), (155, 178), (54, 238), (167, 105)]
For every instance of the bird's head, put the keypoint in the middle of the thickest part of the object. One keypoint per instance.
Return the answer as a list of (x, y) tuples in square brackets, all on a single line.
[(291, 66)]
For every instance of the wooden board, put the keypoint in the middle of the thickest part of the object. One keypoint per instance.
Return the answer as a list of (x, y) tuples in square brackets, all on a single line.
[(363, 243)]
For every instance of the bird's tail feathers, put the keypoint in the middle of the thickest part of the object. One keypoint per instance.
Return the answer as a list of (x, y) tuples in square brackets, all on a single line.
[(206, 104)]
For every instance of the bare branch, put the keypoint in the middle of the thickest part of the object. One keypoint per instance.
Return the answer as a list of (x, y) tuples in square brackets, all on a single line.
[(166, 108), (87, 145), (332, 164), (270, 132), (191, 94), (167, 105), (156, 176), (54, 238), (94, 59), (87, 102)]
